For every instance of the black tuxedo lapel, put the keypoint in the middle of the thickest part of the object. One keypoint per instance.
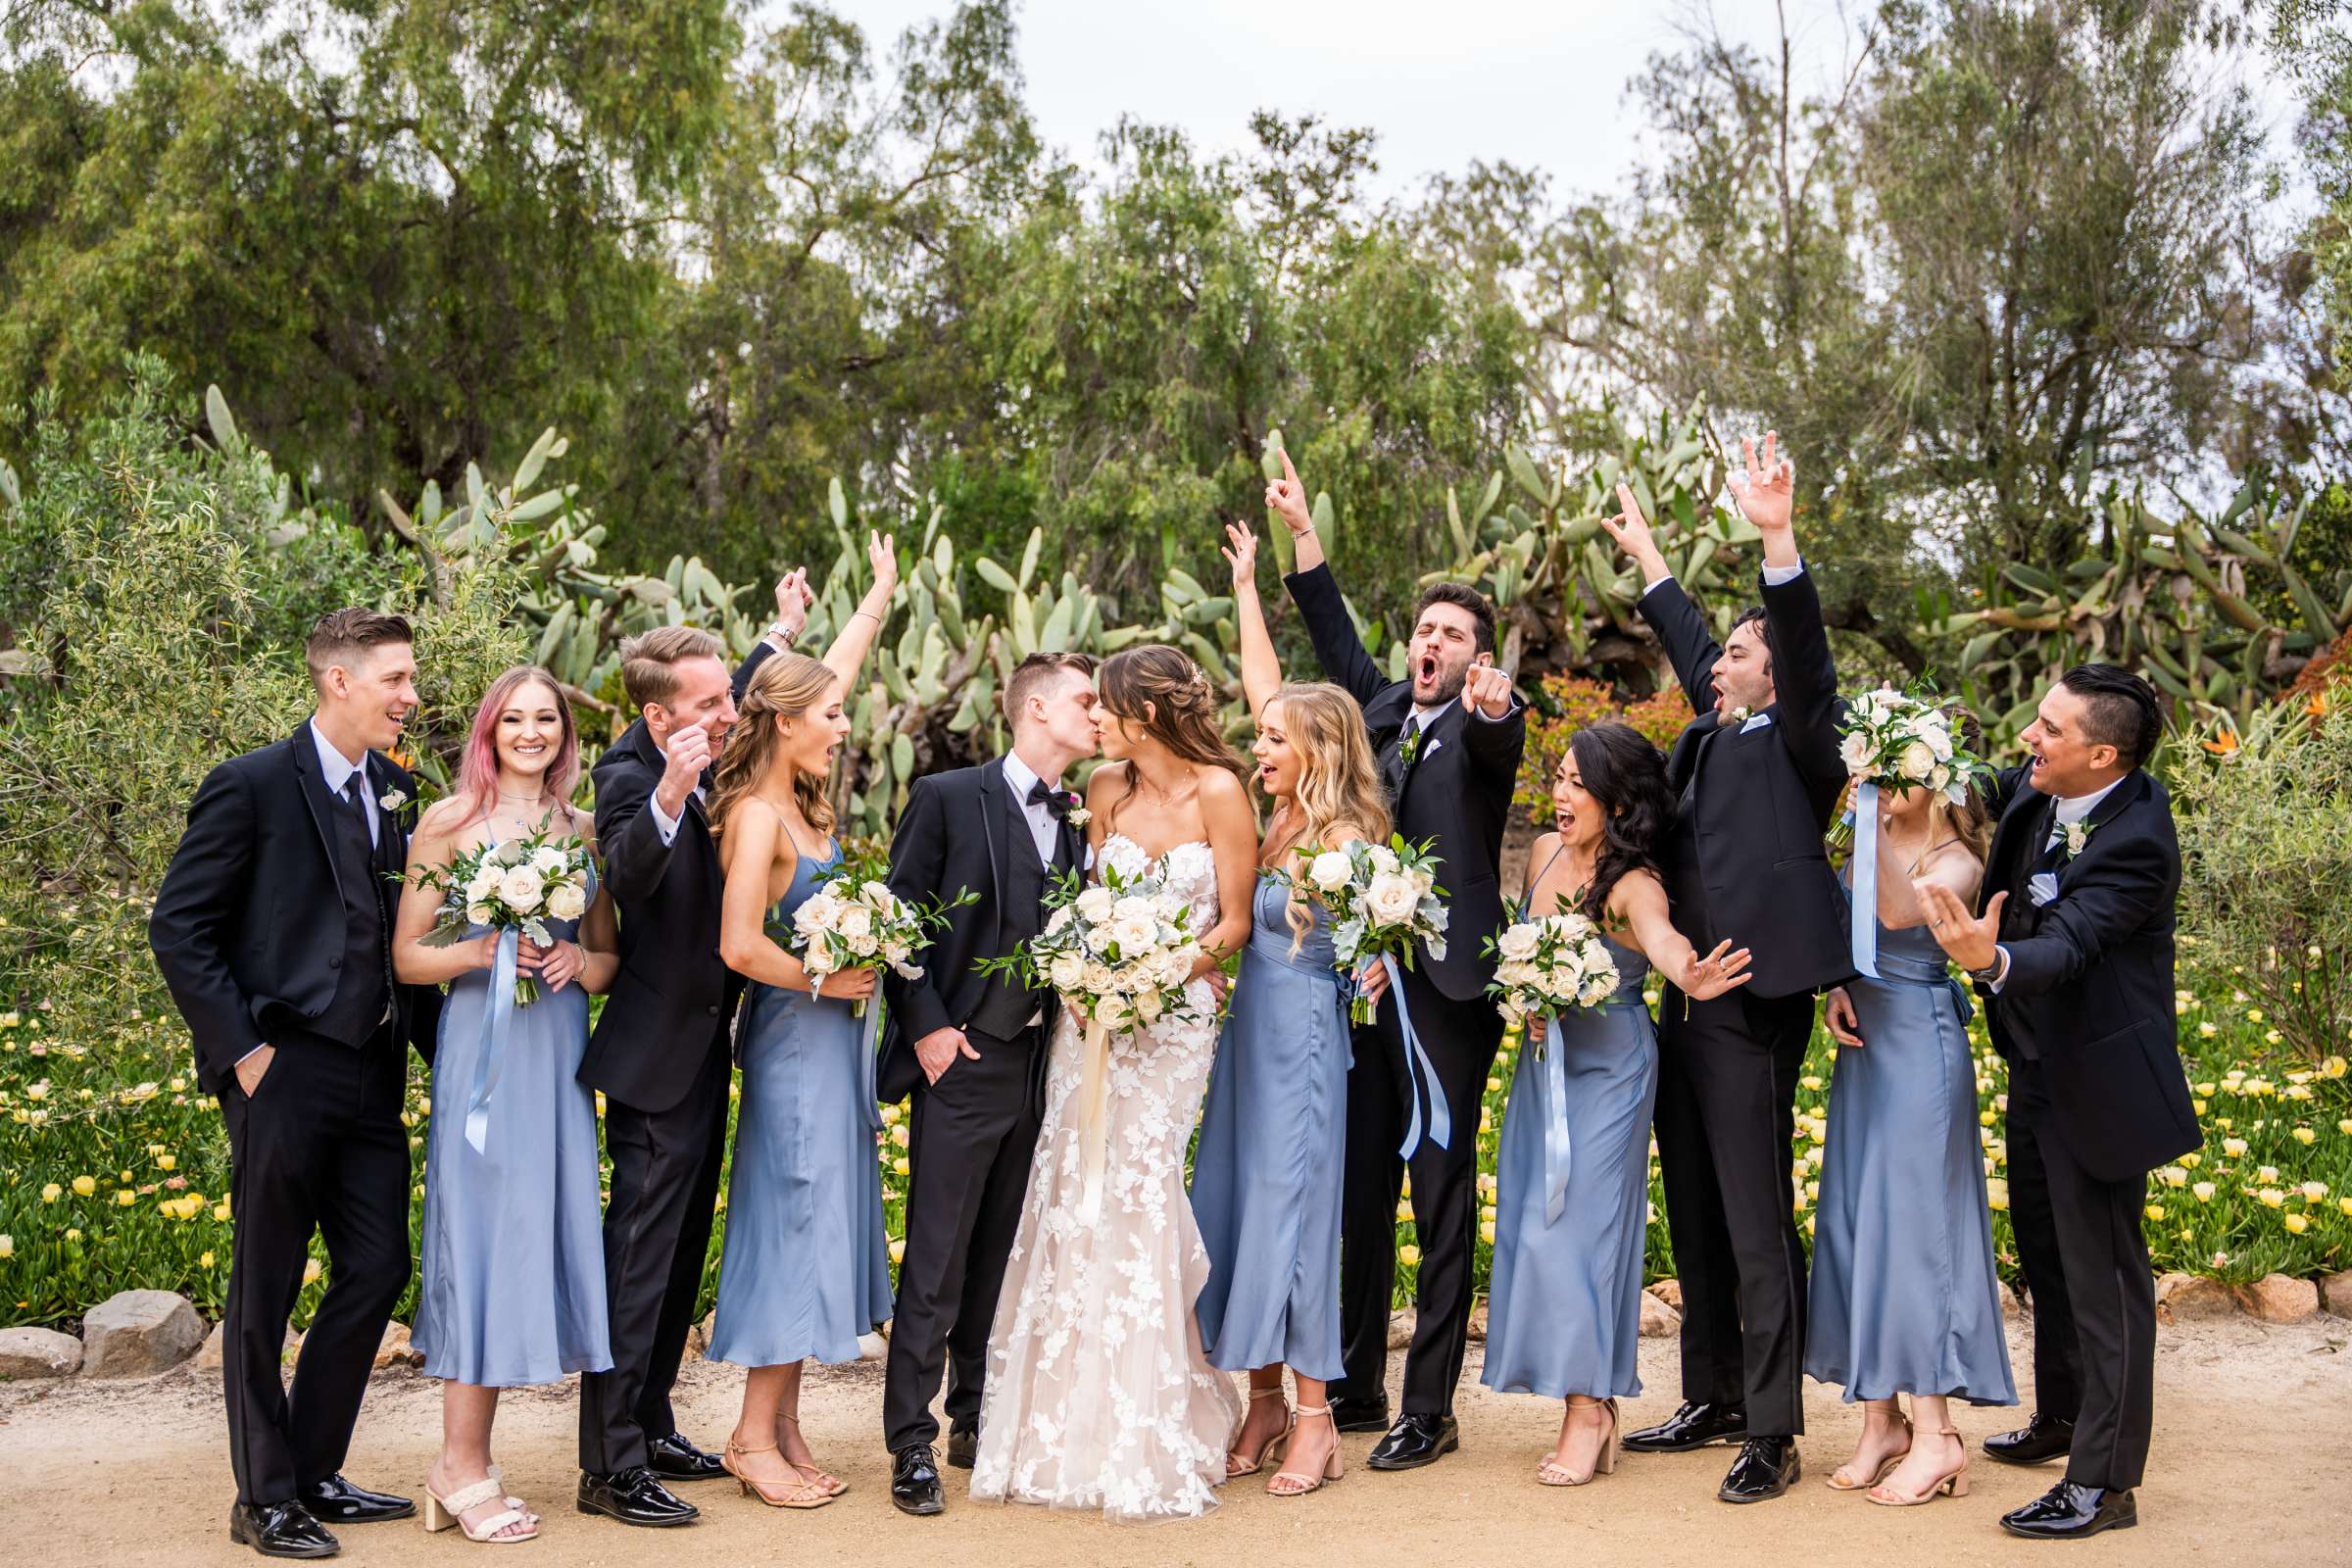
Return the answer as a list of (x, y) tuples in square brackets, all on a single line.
[(314, 794), (995, 796), (2012, 842), (391, 855)]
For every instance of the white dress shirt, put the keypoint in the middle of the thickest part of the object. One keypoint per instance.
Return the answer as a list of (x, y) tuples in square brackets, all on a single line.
[(1022, 778), (664, 823), (336, 769)]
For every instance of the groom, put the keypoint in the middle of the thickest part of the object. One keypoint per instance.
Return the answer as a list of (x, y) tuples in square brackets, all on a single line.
[(2075, 955), (1759, 776), (273, 928), (660, 1055), (971, 1049), (1447, 739)]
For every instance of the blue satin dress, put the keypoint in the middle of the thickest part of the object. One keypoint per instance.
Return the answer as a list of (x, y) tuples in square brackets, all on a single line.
[(1564, 1303), (511, 1284), (1266, 1174), (805, 1268), (1904, 1297)]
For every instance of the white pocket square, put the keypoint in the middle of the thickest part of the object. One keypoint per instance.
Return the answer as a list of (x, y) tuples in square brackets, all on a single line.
[(1431, 750), (2042, 888), (1755, 721)]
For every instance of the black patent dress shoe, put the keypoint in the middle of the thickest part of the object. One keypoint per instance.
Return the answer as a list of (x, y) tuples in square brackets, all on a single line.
[(280, 1530), (1766, 1468), (2070, 1510), (673, 1459), (914, 1481), (2037, 1442), (1696, 1425), (336, 1502), (1415, 1440), (634, 1496), (964, 1447), (1360, 1415)]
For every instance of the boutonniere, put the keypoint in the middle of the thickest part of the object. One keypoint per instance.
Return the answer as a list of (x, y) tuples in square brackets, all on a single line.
[(1734, 715), (1077, 816), (1410, 751), (392, 800), (2078, 834)]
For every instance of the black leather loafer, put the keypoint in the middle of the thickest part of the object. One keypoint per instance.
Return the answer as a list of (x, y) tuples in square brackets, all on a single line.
[(2069, 1511), (1415, 1440), (673, 1459), (914, 1481), (1360, 1415), (1696, 1425), (1766, 1468), (634, 1496), (336, 1502), (280, 1530), (2037, 1442), (964, 1447)]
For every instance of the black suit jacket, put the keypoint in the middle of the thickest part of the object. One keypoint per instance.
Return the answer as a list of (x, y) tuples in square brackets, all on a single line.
[(956, 833), (673, 992), (248, 924), (1458, 792), (1763, 799), (2089, 988)]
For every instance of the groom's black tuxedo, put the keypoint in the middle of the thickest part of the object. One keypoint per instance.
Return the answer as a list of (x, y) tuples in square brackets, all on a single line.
[(2097, 1099), (273, 926), (1744, 861), (973, 1132), (1458, 792), (658, 1054)]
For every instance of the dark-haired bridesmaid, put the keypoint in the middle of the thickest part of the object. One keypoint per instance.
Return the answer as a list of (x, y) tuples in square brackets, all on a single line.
[(1565, 1303)]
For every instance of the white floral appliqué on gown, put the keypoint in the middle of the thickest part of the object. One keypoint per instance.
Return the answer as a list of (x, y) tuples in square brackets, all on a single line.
[(1097, 1395)]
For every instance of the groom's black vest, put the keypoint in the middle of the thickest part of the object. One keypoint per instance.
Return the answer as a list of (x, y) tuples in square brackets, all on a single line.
[(364, 968), (1007, 1007)]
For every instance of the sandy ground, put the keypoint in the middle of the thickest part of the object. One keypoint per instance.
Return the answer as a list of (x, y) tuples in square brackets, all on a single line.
[(2252, 1465)]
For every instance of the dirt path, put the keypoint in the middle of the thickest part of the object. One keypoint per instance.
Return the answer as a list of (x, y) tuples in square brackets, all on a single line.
[(2252, 1465)]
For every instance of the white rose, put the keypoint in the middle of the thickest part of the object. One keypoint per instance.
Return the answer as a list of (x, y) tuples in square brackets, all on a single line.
[(1176, 966), (547, 859), (1058, 920), (1135, 933), (855, 921), (1095, 903), (1384, 859), (506, 853), (1391, 899), (1519, 942), (1135, 907), (898, 950), (1095, 976), (519, 888), (1917, 762), (816, 915), (1563, 979), (864, 946), (1329, 870), (566, 901), (878, 895), (1941, 777), (1855, 748), (1149, 1006), (480, 913), (1515, 972), (483, 886), (1112, 1013), (1067, 972)]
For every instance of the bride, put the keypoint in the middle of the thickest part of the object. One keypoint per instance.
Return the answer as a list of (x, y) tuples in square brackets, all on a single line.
[(1097, 1395)]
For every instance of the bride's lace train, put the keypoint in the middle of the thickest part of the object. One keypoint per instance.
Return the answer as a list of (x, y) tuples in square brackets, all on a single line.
[(1097, 1395)]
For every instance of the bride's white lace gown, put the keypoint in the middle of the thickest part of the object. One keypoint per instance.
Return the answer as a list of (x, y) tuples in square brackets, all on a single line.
[(1097, 1395)]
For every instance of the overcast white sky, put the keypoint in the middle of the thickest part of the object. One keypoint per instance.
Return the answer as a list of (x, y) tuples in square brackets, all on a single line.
[(1539, 82)]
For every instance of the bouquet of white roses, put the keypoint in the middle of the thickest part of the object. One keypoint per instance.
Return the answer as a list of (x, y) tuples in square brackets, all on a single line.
[(1905, 740), (853, 921), (1121, 949), (516, 886), (1549, 964), (1383, 898)]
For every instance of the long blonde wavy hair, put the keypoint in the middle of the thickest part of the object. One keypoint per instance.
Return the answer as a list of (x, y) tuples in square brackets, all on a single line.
[(787, 686), (1338, 779)]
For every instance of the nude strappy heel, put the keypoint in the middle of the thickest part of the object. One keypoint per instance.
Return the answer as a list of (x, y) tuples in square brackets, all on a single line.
[(1293, 1483), (1271, 1445), (815, 1474), (1953, 1483), (1552, 1473), (1842, 1479), (444, 1513), (803, 1496)]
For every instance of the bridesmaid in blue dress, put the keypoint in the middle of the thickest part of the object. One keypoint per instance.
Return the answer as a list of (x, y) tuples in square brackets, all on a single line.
[(1564, 1301), (1266, 1171), (512, 1289), (805, 1268), (1904, 1297)]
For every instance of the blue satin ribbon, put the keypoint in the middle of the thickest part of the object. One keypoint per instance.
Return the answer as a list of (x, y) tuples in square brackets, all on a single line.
[(1864, 912), (1555, 1075), (869, 1091), (1420, 1073), (494, 1040)]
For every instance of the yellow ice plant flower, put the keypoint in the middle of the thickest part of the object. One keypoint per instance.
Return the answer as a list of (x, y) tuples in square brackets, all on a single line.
[(51, 1191), (74, 1235), (2174, 1176), (1404, 1210), (2234, 1147), (84, 1186), (204, 1262), (898, 1135), (1409, 1254), (221, 1209), (125, 1198), (898, 1248), (8, 1245), (166, 1163), (1997, 1193), (2270, 1198), (2313, 1192), (2204, 1191), (1486, 1231), (311, 1270), (2155, 1211), (2334, 1068), (900, 1167), (2208, 1029), (2344, 1205), (2304, 1136), (2295, 1224), (2266, 1174)]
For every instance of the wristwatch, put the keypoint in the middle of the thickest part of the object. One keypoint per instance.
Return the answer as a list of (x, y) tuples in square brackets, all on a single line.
[(778, 632), (1990, 972)]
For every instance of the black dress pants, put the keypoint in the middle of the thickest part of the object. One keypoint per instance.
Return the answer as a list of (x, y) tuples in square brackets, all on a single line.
[(970, 1142), (319, 1147), (1725, 1122), (2086, 1273), (1462, 1039), (665, 1167)]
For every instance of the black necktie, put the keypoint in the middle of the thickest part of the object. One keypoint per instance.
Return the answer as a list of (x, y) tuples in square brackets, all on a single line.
[(1052, 799)]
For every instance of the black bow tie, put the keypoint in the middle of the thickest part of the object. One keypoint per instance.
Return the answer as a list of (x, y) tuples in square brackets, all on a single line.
[(1052, 799)]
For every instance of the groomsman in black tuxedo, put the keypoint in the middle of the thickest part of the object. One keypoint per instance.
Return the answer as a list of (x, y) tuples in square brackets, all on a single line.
[(1757, 775), (273, 930), (971, 1049), (1447, 739), (660, 1054), (2073, 955)]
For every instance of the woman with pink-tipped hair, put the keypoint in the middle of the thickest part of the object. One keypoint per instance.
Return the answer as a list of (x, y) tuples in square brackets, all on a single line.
[(513, 1286)]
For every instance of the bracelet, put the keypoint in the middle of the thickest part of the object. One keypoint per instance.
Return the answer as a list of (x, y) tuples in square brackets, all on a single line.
[(867, 614)]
